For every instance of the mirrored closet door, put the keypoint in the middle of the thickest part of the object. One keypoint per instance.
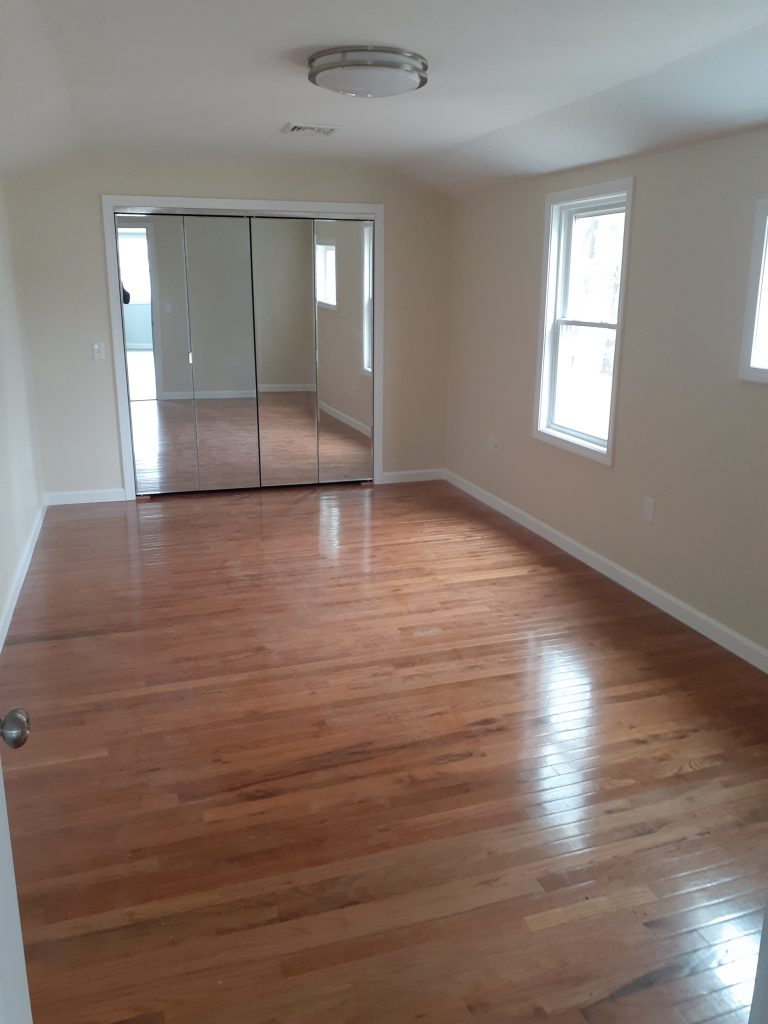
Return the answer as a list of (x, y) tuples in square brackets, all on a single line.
[(344, 284), (223, 361), (157, 353), (283, 306), (249, 349)]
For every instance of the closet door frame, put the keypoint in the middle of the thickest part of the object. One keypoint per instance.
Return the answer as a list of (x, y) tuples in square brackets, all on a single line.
[(113, 205)]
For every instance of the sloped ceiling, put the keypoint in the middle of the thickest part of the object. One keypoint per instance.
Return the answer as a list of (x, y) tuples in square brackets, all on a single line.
[(516, 86)]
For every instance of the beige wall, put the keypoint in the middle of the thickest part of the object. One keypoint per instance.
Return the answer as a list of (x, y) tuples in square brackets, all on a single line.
[(58, 252), (283, 302), (20, 489), (688, 432), (343, 385)]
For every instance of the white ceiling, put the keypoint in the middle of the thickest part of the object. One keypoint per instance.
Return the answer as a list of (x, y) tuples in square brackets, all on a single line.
[(516, 86)]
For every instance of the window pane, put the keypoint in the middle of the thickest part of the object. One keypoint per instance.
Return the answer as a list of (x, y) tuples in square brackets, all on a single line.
[(760, 341), (583, 377), (594, 273)]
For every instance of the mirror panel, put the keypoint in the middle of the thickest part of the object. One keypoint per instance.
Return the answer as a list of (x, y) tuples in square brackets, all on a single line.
[(281, 252), (156, 334), (223, 358), (344, 283)]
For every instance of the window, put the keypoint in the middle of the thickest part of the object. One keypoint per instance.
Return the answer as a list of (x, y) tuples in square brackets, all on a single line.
[(368, 298), (325, 273), (754, 359), (587, 239)]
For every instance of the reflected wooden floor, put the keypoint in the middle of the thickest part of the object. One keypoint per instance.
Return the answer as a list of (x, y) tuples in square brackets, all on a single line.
[(372, 756), (171, 435)]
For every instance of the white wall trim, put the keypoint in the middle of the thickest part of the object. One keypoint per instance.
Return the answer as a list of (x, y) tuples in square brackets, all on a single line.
[(342, 417), (112, 205), (407, 476), (84, 497), (20, 575), (680, 610)]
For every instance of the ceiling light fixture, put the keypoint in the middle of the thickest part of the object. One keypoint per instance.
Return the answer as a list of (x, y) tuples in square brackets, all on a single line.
[(368, 70)]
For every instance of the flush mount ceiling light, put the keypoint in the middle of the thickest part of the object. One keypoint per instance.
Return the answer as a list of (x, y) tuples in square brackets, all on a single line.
[(368, 70)]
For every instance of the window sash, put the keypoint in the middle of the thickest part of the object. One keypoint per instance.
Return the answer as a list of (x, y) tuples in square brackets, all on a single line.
[(568, 214), (552, 424)]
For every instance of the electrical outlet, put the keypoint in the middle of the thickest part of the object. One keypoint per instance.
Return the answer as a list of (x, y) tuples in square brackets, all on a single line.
[(649, 508), (493, 445), (167, 308), (98, 351)]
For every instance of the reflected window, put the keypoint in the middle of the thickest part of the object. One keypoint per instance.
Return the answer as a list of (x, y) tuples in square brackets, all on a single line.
[(135, 277), (325, 273), (368, 298), (134, 264)]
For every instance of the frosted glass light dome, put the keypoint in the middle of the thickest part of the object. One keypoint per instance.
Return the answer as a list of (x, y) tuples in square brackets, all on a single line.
[(368, 71)]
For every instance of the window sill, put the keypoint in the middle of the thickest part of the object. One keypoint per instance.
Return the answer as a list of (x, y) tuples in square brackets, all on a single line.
[(754, 374), (326, 305), (571, 444)]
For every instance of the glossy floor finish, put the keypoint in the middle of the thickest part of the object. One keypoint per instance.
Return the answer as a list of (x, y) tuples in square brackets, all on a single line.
[(373, 756)]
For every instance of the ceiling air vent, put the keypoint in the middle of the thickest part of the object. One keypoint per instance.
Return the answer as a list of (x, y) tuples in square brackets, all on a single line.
[(309, 129)]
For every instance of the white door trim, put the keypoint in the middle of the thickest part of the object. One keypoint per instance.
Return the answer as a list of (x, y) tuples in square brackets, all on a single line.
[(112, 205)]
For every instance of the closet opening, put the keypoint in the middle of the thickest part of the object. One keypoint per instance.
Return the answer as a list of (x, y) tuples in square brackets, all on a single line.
[(248, 343)]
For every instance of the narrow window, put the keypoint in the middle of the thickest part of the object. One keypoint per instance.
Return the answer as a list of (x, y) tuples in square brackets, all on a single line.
[(325, 273), (587, 231), (754, 359)]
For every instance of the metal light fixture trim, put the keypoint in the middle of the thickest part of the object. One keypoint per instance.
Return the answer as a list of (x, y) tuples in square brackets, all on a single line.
[(368, 71)]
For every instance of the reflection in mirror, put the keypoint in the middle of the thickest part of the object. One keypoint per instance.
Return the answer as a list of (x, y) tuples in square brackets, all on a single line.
[(344, 282), (223, 358), (156, 333), (281, 253)]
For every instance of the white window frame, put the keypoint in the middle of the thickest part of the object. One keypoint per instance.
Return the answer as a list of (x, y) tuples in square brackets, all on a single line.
[(757, 278), (325, 248), (560, 210)]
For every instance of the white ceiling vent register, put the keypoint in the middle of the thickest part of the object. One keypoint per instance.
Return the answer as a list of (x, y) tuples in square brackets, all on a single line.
[(368, 71), (309, 129)]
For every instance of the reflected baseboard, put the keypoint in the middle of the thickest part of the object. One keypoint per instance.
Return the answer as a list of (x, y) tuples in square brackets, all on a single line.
[(286, 387), (337, 414), (171, 396)]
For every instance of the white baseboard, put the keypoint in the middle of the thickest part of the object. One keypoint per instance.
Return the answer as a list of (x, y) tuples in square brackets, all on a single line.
[(408, 476), (685, 613), (342, 417), (84, 497), (17, 583)]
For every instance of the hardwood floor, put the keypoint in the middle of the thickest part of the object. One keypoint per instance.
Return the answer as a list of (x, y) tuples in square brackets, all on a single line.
[(372, 756), (213, 443)]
